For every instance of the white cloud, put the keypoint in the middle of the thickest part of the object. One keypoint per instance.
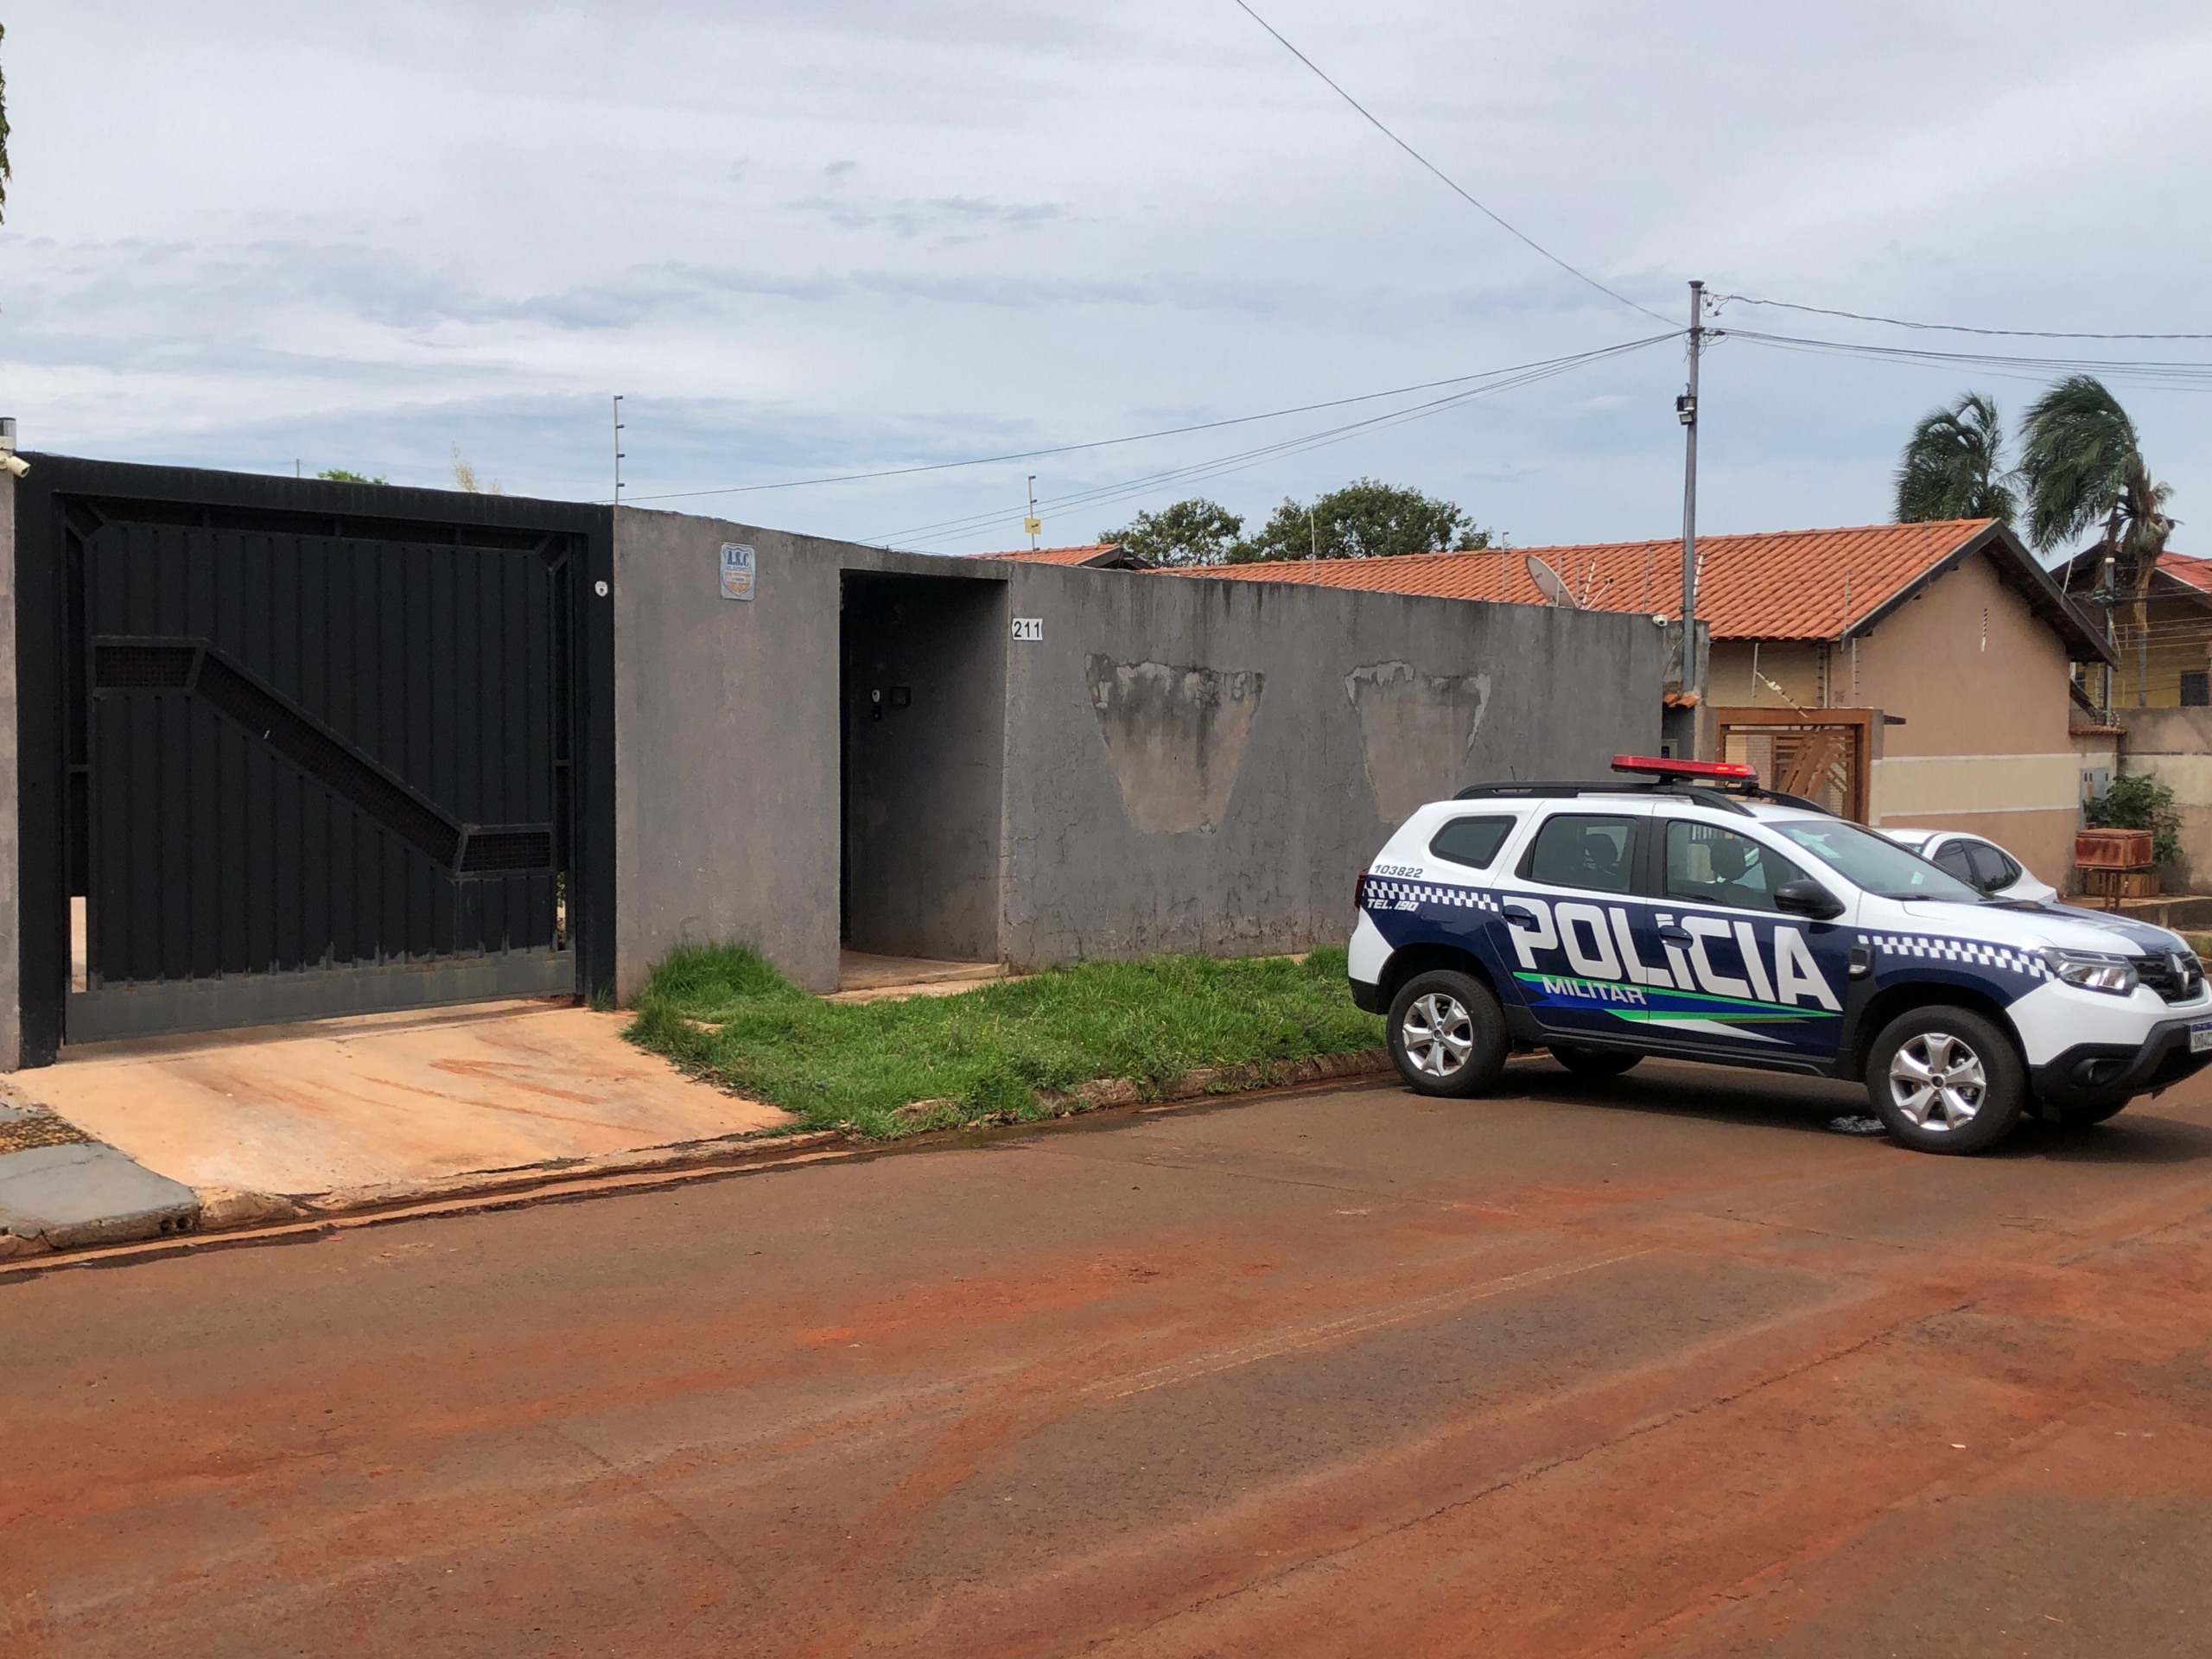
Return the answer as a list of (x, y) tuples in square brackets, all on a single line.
[(804, 238)]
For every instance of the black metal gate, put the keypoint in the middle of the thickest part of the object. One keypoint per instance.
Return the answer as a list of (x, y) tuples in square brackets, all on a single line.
[(311, 762)]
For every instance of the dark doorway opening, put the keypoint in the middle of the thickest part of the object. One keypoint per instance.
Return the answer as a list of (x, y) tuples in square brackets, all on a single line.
[(923, 705)]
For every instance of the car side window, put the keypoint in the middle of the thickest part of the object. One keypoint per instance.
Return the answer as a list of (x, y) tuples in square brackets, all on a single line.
[(1583, 849), (1992, 867), (1707, 865), (1471, 842), (1951, 859)]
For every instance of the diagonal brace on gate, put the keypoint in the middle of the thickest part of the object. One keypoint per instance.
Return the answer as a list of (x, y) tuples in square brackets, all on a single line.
[(202, 669)]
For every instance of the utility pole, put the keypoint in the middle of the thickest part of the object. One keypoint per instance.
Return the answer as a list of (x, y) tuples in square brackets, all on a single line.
[(1033, 524), (1685, 411), (618, 450), (1684, 726), (2106, 592)]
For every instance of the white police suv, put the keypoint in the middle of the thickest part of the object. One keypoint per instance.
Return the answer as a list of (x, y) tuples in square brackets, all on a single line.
[(1683, 910)]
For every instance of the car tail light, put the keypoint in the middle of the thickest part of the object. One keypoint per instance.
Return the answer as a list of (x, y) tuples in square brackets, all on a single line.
[(1359, 891)]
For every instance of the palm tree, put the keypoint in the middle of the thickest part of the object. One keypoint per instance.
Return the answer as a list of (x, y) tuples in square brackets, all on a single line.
[(2084, 468), (1952, 465)]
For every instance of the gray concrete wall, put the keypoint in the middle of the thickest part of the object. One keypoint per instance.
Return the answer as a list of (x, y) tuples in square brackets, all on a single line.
[(1206, 765), (2176, 745), (11, 1007), (922, 765), (1182, 763), (726, 742), (725, 747)]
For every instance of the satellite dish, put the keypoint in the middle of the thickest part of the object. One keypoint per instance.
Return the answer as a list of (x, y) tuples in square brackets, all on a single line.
[(1549, 584)]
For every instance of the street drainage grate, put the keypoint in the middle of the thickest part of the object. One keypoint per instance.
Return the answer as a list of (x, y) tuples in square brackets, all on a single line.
[(39, 1130)]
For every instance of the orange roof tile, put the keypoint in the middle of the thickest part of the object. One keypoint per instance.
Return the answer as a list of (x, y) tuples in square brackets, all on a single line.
[(1776, 585), (1096, 553), (2196, 572)]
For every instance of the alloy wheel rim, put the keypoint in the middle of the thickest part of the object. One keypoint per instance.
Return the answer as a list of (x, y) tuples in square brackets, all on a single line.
[(1438, 1034), (1937, 1082)]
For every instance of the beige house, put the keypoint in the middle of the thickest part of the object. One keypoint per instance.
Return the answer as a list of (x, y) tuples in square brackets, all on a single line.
[(2164, 658), (2161, 690), (1911, 674)]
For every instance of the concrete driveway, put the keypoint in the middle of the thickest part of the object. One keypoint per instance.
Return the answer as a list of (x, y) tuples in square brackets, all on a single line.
[(1652, 1368), (386, 1103)]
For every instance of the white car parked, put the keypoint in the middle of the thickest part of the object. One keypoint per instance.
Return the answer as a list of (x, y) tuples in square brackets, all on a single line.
[(1982, 865)]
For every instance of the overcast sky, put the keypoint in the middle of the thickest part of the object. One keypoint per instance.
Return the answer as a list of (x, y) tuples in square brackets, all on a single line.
[(823, 237)]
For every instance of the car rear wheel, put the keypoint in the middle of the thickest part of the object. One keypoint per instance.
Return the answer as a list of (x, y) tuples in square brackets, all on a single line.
[(1448, 1034), (1946, 1079), (1593, 1062)]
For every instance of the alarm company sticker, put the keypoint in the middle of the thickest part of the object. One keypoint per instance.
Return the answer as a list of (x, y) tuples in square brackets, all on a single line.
[(737, 570)]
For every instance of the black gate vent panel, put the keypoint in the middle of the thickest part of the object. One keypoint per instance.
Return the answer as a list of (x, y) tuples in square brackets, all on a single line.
[(491, 851), (124, 667)]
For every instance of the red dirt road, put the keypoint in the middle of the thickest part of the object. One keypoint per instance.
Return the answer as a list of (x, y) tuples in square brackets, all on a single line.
[(1652, 1368)]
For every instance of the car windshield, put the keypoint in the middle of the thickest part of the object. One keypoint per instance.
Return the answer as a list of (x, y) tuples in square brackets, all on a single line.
[(1872, 863)]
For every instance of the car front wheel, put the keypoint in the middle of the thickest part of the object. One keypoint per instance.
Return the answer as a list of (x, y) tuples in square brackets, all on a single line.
[(1946, 1079), (1448, 1034)]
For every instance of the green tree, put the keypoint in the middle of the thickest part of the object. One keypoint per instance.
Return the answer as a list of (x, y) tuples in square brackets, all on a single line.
[(2083, 467), (1365, 519), (1196, 532), (1954, 466), (465, 478), (339, 475)]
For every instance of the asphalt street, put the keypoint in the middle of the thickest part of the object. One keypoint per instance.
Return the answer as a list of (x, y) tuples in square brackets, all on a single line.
[(1654, 1367)]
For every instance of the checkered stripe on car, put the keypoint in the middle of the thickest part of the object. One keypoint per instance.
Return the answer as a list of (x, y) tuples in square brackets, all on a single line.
[(1386, 895), (1929, 948)]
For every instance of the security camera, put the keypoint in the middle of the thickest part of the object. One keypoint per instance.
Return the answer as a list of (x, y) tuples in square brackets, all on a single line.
[(17, 466)]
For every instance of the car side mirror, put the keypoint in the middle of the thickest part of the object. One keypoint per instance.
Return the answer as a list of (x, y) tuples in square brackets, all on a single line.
[(1805, 897)]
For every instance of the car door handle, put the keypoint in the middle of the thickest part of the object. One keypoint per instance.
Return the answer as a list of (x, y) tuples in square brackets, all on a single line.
[(1519, 916), (1672, 935)]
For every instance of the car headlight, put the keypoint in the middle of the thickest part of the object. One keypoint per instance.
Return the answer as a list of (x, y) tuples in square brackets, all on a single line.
[(2093, 971)]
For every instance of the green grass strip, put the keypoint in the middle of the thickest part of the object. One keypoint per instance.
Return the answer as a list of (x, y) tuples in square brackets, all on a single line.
[(989, 1054)]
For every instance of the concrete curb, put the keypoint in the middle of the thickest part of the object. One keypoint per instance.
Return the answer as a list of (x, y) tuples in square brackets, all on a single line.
[(231, 1218), (60, 1189), (223, 1208), (1192, 1086)]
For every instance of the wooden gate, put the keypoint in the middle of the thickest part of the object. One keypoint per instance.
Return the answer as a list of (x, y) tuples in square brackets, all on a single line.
[(1820, 753)]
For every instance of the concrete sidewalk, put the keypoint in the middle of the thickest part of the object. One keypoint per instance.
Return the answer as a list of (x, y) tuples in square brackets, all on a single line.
[(335, 1115), (62, 1190)]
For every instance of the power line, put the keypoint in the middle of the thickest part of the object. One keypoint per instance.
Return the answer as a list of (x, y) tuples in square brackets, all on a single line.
[(1500, 380), (1450, 182), (1240, 461), (1134, 437), (2195, 376), (1939, 327)]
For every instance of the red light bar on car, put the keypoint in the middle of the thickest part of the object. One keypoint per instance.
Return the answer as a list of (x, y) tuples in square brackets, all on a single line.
[(1721, 772)]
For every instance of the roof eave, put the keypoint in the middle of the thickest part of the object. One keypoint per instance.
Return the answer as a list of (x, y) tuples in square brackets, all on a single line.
[(2085, 641)]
